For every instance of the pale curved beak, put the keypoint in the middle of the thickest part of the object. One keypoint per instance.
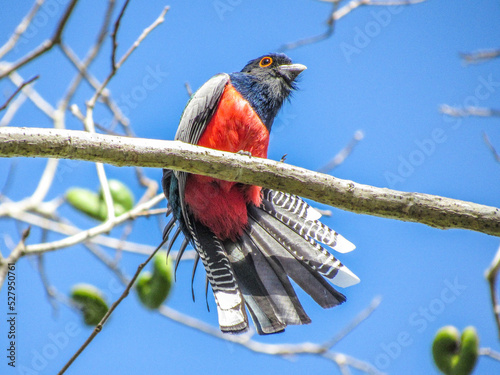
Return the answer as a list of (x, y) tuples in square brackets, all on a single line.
[(291, 71), (293, 68)]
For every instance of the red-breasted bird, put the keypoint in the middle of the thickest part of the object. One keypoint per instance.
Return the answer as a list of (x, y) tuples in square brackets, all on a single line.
[(251, 240)]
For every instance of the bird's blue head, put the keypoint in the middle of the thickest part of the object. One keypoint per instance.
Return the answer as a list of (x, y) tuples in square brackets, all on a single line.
[(266, 82)]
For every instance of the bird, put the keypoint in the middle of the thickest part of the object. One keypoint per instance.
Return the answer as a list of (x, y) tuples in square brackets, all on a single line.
[(251, 240)]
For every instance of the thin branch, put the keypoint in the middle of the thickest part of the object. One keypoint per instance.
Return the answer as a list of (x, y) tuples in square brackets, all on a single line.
[(189, 90), (435, 211), (33, 95), (491, 147), (112, 308), (492, 277), (115, 33), (92, 232), (70, 230), (116, 66), (21, 28), (15, 254), (19, 88), (12, 109), (47, 45), (91, 55), (488, 352), (110, 242), (107, 261), (343, 154), (96, 84), (360, 318), (330, 28), (337, 14), (49, 290), (468, 111), (283, 350), (9, 178), (480, 56)]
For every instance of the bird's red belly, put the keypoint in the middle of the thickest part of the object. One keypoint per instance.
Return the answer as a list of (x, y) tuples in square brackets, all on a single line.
[(221, 205)]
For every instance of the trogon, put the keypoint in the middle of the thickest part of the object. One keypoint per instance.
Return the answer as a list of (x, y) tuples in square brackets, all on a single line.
[(251, 240)]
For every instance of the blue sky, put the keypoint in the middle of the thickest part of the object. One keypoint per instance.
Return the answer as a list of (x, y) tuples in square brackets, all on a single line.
[(385, 72)]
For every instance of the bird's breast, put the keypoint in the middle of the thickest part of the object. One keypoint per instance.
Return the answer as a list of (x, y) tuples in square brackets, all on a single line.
[(221, 205)]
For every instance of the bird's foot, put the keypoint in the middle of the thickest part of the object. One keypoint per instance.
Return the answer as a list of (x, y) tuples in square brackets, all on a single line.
[(243, 152)]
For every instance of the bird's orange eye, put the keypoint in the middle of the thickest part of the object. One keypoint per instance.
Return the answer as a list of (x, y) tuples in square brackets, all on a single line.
[(265, 61)]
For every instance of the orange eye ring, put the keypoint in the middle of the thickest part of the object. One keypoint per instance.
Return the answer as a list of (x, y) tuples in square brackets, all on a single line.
[(265, 62)]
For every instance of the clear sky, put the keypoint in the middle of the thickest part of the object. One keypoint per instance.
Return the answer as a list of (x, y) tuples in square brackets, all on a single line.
[(385, 71)]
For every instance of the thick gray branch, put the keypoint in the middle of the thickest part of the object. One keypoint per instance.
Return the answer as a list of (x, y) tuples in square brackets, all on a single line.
[(427, 209)]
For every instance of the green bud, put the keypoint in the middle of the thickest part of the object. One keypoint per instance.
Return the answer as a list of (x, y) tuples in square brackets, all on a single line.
[(454, 355), (88, 202), (121, 194), (91, 302), (153, 288)]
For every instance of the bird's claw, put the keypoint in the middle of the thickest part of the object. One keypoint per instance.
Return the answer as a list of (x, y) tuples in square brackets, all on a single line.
[(243, 152)]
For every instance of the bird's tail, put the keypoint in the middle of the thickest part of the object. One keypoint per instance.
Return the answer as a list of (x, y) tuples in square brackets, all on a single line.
[(281, 242)]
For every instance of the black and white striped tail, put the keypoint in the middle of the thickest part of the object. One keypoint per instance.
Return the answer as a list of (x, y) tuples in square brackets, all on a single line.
[(280, 242), (220, 274)]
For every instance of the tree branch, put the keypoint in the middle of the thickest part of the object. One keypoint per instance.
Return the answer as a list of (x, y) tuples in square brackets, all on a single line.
[(480, 56), (435, 211), (44, 46), (19, 88)]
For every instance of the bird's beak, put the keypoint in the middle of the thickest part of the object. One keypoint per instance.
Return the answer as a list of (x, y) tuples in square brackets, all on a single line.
[(292, 70)]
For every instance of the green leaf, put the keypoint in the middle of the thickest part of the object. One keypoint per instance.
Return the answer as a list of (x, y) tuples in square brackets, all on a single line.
[(91, 302), (154, 288), (88, 202), (454, 355)]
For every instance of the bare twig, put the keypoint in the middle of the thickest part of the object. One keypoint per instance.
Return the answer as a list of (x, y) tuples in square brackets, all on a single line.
[(488, 352), (439, 212), (110, 242), (15, 254), (19, 88), (92, 232), (492, 276), (21, 28), (330, 28), (343, 154), (284, 350), (8, 180), (134, 46), (115, 33), (47, 45), (491, 147), (189, 90), (95, 83), (360, 318), (33, 95), (12, 109), (468, 111), (480, 56), (49, 290), (112, 308), (337, 14), (107, 261), (91, 55)]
